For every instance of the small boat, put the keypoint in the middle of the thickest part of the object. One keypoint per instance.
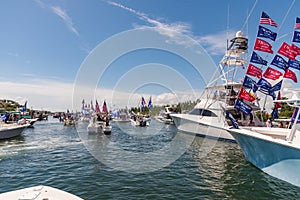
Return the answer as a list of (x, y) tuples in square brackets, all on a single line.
[(38, 193), (95, 126), (12, 130), (121, 118), (165, 116), (107, 130), (139, 120), (269, 150)]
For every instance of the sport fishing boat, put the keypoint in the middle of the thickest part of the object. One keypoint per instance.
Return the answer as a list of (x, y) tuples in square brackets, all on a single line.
[(208, 118), (275, 151)]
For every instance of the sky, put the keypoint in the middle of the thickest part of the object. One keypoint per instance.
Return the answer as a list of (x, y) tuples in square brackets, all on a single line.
[(55, 53)]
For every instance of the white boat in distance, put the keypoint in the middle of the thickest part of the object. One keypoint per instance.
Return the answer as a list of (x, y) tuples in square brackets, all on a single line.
[(165, 116), (139, 120), (208, 117), (11, 130), (276, 156), (38, 193)]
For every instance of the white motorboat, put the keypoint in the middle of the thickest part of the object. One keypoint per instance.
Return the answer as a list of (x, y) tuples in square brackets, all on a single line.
[(11, 130), (208, 117), (275, 151), (38, 193), (141, 121), (165, 116), (121, 118), (95, 126)]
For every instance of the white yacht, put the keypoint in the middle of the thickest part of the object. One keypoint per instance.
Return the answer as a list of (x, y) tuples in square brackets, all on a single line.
[(208, 118)]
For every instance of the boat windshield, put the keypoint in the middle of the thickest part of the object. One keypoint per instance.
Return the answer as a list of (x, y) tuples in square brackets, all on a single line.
[(202, 112)]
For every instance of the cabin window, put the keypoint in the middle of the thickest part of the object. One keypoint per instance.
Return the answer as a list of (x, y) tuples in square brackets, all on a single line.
[(202, 112)]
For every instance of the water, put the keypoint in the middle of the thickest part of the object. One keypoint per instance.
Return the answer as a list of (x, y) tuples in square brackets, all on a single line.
[(54, 155)]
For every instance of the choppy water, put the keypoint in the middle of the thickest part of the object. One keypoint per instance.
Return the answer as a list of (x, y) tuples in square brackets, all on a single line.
[(54, 155)]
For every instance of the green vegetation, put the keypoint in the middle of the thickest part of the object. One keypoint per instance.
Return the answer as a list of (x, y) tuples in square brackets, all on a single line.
[(9, 105), (285, 112), (180, 108)]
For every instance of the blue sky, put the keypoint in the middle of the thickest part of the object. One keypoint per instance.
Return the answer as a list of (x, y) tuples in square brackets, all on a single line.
[(44, 43)]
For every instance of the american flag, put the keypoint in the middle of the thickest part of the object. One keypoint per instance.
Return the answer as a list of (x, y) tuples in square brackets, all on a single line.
[(297, 25), (265, 19)]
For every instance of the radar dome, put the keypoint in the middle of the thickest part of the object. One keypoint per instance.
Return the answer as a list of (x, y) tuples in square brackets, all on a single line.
[(239, 34)]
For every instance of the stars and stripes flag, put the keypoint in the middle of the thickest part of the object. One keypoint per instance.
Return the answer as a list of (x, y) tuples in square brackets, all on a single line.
[(266, 19)]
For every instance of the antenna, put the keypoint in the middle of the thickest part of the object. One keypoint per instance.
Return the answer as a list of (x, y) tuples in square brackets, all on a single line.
[(227, 34)]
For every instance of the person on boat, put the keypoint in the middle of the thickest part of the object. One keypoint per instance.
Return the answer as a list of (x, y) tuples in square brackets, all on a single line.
[(250, 123), (280, 125), (269, 123), (106, 121), (287, 125)]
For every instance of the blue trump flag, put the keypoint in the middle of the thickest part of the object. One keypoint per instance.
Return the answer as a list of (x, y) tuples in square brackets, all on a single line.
[(242, 106), (250, 83), (276, 87), (266, 33), (275, 114), (255, 58), (231, 118), (296, 37), (24, 107), (266, 87), (3, 116), (264, 84), (279, 62), (294, 64)]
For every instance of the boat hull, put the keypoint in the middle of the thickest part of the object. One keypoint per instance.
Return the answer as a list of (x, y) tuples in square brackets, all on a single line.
[(276, 157), (10, 132), (39, 193), (200, 128)]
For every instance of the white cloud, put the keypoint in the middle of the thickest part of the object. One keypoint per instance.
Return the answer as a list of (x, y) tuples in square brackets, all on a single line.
[(65, 17), (53, 95), (215, 44)]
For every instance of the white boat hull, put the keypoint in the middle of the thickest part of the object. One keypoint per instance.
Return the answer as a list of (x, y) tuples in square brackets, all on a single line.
[(11, 131), (276, 157), (201, 127), (139, 123), (39, 193)]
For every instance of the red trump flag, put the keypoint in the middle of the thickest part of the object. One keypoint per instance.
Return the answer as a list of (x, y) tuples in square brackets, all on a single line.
[(246, 95), (264, 46), (290, 74), (287, 51), (273, 74), (254, 71)]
